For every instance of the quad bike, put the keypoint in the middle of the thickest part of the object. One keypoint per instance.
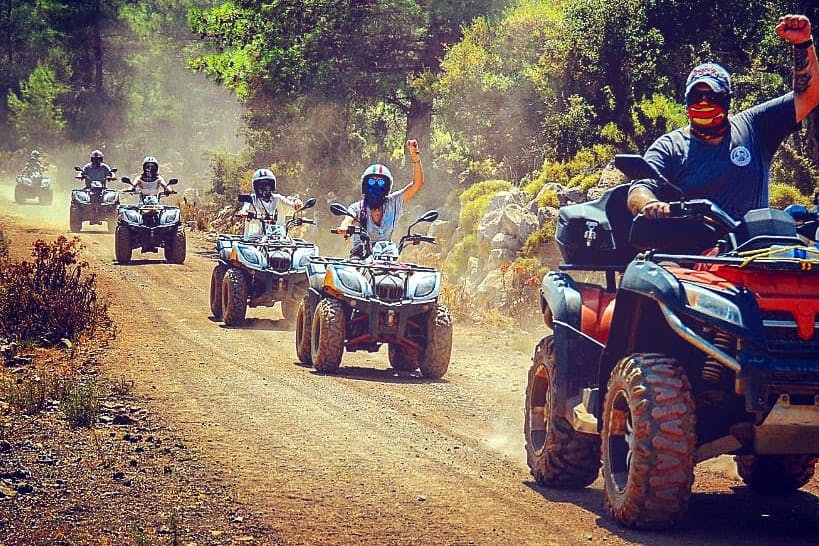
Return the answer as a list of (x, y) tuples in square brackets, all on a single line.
[(690, 356), (33, 185), (95, 204), (262, 267), (361, 304), (149, 225)]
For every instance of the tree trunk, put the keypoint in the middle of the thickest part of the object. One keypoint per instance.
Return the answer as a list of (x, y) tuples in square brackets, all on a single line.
[(97, 46)]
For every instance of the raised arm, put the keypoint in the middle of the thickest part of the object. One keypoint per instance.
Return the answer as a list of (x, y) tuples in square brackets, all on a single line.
[(417, 171), (796, 30)]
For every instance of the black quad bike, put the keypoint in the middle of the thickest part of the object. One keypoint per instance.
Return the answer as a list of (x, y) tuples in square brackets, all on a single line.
[(361, 304), (692, 354), (262, 267), (94, 204), (33, 185), (149, 225)]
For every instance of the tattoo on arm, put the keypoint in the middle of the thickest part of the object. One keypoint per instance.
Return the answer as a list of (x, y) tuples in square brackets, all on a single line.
[(801, 74)]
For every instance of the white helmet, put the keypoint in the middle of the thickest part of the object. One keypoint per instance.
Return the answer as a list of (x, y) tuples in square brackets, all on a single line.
[(264, 184), (376, 184)]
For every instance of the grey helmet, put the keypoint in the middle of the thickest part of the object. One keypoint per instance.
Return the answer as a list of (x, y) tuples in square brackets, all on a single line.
[(150, 168)]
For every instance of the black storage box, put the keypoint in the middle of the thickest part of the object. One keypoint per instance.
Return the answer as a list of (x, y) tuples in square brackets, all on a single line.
[(595, 233)]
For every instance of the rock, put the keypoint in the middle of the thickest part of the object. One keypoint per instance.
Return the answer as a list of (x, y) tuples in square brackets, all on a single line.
[(442, 230)]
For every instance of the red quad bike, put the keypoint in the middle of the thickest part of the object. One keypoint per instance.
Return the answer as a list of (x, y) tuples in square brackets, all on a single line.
[(690, 356)]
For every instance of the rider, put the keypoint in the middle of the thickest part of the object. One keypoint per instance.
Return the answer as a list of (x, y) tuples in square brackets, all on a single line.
[(265, 200), (379, 209), (728, 159), (95, 170), (33, 165), (150, 182)]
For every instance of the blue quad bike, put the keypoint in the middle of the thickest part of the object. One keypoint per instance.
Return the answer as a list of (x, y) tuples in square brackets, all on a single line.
[(149, 225), (95, 203), (701, 341), (262, 267), (361, 304), (33, 185)]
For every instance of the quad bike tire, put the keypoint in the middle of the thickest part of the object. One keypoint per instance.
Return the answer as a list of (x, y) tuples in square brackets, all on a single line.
[(648, 442), (435, 360), (234, 297), (402, 358), (46, 198), (176, 252), (328, 335), (304, 330), (75, 221), (18, 194), (558, 456), (775, 474), (216, 279), (122, 245)]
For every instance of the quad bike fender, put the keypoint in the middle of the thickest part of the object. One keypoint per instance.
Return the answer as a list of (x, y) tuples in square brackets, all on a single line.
[(576, 354)]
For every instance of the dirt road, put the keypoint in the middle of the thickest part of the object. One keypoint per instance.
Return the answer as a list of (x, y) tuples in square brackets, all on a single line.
[(366, 456)]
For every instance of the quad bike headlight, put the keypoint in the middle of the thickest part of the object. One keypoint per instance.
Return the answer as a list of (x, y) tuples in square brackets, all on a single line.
[(348, 280), (169, 216), (712, 304), (81, 196), (425, 286), (250, 255), (109, 198)]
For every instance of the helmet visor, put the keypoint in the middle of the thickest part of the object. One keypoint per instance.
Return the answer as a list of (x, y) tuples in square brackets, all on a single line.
[(376, 186)]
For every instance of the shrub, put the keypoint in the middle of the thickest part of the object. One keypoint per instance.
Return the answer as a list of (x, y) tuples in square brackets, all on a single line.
[(475, 201), (456, 263), (51, 297), (521, 281), (82, 404), (782, 195)]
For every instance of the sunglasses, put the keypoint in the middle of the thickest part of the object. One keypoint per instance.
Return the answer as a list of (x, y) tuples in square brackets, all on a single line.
[(696, 95), (376, 182)]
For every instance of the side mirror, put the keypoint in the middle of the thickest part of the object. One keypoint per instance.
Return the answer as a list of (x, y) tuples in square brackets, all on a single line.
[(114, 170), (125, 180), (428, 216), (340, 210), (173, 181), (77, 168), (244, 198), (309, 204)]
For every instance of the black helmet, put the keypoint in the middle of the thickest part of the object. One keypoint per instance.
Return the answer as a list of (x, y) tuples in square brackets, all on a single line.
[(264, 184), (96, 157)]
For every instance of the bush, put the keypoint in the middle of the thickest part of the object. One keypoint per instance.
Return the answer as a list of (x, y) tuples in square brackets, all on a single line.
[(521, 281), (475, 201), (782, 195), (457, 261), (50, 298)]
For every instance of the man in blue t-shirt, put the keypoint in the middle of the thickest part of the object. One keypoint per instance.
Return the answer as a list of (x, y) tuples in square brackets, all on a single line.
[(728, 159)]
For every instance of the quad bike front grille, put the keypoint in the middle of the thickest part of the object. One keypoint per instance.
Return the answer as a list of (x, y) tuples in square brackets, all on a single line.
[(389, 288), (781, 337), (279, 263)]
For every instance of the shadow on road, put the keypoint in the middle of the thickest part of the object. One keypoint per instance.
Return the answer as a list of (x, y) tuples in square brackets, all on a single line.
[(383, 376), (736, 517), (280, 325)]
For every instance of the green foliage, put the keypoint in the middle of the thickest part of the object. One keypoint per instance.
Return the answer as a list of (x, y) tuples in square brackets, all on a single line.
[(475, 202), (35, 114), (51, 297), (782, 195), (81, 405), (539, 242), (795, 169), (581, 171), (458, 259)]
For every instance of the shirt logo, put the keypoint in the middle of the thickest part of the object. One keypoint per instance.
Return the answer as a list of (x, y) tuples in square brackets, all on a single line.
[(740, 156)]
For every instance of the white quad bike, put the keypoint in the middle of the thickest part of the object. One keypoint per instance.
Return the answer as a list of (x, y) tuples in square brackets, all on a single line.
[(149, 225), (262, 267), (362, 304), (33, 185)]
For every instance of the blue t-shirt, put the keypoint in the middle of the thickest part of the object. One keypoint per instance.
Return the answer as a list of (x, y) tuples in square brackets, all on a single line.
[(734, 173)]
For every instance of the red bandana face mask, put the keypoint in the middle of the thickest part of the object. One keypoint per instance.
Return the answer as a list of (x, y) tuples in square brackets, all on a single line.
[(708, 119)]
